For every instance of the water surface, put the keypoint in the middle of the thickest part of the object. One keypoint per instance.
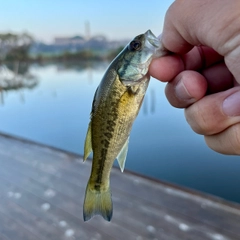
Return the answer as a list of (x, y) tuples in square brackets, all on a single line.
[(55, 111)]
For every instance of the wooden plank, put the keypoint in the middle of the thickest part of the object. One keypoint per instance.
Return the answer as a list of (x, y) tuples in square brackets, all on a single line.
[(37, 189), (205, 210), (131, 218), (54, 215), (143, 209), (28, 221), (35, 153), (127, 219), (52, 180), (42, 191), (45, 159), (153, 220), (12, 230), (2, 237)]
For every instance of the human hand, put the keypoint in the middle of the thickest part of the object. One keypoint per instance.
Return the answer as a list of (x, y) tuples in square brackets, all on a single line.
[(203, 74)]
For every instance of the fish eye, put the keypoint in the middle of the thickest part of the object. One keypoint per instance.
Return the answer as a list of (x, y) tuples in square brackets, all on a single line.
[(135, 45)]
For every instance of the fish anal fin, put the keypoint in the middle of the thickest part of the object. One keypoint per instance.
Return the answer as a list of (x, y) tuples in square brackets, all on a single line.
[(88, 143), (123, 155), (97, 203)]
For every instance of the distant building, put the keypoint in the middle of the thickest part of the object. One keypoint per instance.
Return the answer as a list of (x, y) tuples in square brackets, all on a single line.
[(75, 44), (77, 40)]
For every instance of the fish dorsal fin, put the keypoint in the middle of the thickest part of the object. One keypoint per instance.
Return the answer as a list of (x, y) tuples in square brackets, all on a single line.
[(88, 143), (122, 155)]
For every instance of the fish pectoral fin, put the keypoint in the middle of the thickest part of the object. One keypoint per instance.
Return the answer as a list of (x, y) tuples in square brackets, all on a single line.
[(123, 155), (88, 143)]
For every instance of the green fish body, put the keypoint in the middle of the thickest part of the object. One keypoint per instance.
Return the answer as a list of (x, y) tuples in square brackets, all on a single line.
[(115, 106)]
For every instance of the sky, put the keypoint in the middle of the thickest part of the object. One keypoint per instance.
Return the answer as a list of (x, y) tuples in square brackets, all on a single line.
[(45, 19)]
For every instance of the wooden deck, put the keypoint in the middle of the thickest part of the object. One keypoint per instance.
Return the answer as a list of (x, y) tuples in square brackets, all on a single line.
[(41, 197)]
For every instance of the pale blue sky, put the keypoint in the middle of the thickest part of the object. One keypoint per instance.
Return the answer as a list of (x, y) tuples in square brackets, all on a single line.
[(45, 19)]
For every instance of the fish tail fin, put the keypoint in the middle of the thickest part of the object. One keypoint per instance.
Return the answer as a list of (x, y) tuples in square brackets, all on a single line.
[(97, 203)]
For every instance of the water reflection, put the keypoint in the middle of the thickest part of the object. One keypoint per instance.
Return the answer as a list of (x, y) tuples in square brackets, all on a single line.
[(149, 104), (14, 76), (153, 101), (81, 65)]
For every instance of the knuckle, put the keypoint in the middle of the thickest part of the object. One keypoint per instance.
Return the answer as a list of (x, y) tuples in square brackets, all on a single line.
[(234, 139), (201, 121)]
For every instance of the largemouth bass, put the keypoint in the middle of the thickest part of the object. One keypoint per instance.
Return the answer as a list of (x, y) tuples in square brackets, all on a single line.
[(116, 104)]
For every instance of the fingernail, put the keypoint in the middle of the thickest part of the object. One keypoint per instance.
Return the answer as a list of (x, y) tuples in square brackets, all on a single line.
[(181, 92), (231, 105)]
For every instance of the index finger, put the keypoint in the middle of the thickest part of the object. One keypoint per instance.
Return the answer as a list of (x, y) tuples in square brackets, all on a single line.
[(168, 67)]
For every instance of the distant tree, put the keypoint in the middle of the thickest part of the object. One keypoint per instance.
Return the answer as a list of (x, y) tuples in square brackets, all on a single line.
[(15, 47), (80, 55)]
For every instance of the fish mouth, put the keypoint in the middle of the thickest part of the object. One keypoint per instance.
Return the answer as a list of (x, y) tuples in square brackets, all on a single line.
[(155, 45), (152, 39)]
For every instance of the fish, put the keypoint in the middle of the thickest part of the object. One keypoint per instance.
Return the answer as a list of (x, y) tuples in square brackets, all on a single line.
[(115, 106)]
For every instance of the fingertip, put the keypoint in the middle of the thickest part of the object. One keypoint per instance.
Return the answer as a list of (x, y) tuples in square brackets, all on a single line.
[(166, 68)]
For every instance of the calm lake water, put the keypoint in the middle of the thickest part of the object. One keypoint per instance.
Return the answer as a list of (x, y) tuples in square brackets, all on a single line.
[(54, 109)]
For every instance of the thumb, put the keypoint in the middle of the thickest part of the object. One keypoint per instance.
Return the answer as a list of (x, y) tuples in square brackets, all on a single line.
[(217, 116), (226, 142)]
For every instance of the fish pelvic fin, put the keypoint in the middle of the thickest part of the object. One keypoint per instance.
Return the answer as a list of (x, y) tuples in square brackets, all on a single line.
[(97, 202), (88, 143), (123, 155)]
